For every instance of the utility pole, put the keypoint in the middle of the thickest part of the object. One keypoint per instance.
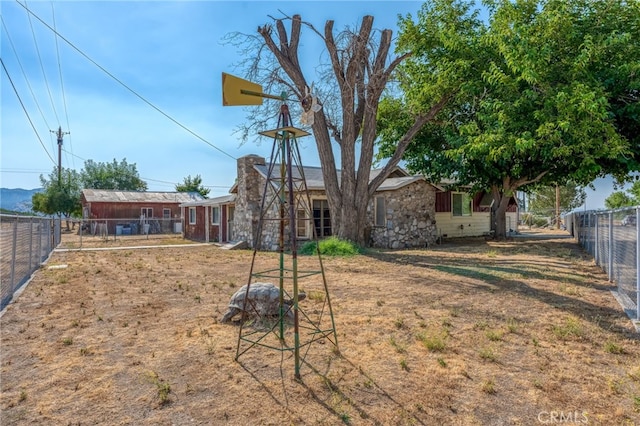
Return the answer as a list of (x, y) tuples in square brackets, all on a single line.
[(557, 206), (60, 135)]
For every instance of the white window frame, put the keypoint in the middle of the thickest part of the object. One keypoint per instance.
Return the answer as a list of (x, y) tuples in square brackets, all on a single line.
[(145, 210), (464, 196), (380, 217), (166, 213), (301, 223), (192, 216), (215, 220)]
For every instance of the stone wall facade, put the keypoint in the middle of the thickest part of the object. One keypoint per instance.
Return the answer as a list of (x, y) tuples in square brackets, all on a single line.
[(249, 205), (409, 214)]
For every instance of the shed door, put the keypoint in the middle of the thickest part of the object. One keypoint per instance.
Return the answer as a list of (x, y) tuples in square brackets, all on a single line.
[(230, 213)]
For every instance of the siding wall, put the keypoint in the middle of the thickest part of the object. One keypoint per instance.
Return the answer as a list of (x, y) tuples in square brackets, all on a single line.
[(197, 232), (129, 210), (130, 213), (475, 225)]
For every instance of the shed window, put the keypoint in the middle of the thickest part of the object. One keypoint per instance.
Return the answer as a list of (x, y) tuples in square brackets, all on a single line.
[(381, 212), (146, 212), (192, 215), (461, 204), (215, 215), (166, 213)]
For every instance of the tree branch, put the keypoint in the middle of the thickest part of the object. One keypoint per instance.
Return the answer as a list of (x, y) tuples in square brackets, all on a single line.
[(404, 142)]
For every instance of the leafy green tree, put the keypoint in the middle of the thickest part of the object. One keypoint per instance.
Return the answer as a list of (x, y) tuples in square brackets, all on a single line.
[(535, 110), (193, 185), (542, 199), (59, 197), (114, 175), (618, 199), (634, 191)]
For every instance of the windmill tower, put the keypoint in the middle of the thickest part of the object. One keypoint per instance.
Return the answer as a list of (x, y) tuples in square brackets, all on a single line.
[(285, 206)]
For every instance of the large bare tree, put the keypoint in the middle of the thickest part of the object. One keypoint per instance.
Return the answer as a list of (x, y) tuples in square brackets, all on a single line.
[(361, 65)]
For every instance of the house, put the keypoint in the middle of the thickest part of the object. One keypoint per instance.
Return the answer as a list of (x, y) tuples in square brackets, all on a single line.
[(405, 211), (401, 213), (459, 214), (130, 211), (209, 220)]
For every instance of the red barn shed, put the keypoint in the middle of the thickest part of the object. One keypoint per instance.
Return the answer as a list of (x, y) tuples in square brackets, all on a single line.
[(159, 210), (209, 220)]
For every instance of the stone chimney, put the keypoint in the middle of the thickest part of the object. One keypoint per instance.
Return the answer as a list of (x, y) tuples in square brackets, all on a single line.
[(248, 200)]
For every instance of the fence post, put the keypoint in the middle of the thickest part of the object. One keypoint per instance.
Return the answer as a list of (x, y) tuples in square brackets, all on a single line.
[(14, 249), (610, 266), (596, 251), (40, 232), (30, 244), (638, 263)]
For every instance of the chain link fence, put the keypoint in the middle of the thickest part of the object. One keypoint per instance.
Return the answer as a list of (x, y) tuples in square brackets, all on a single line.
[(612, 238), (25, 242), (92, 233)]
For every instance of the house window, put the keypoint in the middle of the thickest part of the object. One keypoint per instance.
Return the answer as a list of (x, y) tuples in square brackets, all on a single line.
[(321, 218), (166, 213), (461, 204), (146, 212), (301, 223), (380, 211), (192, 215), (215, 215)]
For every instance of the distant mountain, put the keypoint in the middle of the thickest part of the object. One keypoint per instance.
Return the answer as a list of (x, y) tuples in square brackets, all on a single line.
[(18, 199)]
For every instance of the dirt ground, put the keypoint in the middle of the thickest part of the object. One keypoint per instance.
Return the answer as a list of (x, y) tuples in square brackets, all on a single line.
[(471, 332)]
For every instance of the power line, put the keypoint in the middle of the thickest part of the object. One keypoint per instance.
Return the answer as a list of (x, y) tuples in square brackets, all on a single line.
[(25, 171), (64, 98), (154, 180), (127, 87), (25, 111), (33, 95), (44, 74)]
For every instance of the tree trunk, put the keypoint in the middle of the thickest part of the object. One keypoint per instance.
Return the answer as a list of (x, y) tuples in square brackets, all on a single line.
[(361, 76), (500, 205)]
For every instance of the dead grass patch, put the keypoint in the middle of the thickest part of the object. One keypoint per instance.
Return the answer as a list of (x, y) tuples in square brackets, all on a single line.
[(472, 332)]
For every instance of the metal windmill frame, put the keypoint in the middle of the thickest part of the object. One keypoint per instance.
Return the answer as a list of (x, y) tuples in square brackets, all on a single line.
[(284, 195)]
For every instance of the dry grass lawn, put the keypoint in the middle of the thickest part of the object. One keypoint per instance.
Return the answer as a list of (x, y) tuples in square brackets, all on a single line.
[(466, 333)]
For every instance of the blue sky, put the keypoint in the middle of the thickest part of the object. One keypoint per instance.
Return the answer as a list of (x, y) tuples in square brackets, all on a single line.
[(170, 53)]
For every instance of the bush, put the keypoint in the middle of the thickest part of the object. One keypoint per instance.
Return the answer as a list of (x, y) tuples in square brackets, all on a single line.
[(331, 246)]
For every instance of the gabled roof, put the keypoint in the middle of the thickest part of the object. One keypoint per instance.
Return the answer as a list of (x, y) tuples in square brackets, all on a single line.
[(225, 199), (391, 184), (312, 175), (115, 196), (315, 180)]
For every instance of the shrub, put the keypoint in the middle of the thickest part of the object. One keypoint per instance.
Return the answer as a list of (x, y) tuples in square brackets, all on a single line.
[(331, 246)]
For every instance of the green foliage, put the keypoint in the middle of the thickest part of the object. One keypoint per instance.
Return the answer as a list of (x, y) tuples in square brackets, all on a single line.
[(618, 199), (59, 197), (114, 175), (634, 191), (193, 185), (549, 93), (542, 199), (624, 199), (331, 246)]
